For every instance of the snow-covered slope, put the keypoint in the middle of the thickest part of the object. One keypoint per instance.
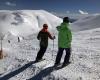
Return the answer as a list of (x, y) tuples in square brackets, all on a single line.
[(85, 59), (18, 65), (86, 23), (26, 22)]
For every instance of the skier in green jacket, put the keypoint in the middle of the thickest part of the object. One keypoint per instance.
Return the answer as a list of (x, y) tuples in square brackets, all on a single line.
[(64, 42)]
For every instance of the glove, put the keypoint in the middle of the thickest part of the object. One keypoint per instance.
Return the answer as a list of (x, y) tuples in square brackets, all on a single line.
[(54, 37), (57, 27)]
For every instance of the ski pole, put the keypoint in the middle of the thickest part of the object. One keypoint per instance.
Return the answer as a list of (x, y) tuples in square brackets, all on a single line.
[(1, 43), (53, 49)]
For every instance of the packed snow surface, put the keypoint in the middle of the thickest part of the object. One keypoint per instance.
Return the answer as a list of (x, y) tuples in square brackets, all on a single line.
[(19, 56)]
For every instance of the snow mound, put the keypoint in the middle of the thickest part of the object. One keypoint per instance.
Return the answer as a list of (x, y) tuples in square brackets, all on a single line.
[(26, 22)]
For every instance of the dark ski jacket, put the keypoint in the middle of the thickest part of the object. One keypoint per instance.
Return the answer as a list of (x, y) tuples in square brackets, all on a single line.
[(43, 37)]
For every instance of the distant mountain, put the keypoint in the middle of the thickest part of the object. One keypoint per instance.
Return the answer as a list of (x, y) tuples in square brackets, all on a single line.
[(89, 22)]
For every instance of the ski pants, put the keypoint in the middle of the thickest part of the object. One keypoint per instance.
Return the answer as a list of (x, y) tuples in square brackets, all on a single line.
[(41, 52), (60, 53)]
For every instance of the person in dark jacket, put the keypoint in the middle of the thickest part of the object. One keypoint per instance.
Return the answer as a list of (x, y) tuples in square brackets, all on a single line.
[(64, 42), (43, 36)]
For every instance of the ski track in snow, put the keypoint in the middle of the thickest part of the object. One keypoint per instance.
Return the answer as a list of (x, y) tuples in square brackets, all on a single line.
[(85, 59)]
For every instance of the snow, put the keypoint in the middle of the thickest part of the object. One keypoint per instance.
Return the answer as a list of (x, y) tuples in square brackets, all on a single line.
[(88, 22), (31, 21), (85, 57)]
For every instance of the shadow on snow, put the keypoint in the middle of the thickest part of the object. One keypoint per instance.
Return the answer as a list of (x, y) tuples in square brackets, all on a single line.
[(15, 72), (42, 74)]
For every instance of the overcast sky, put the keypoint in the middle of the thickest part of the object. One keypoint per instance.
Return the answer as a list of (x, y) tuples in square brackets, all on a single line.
[(59, 6)]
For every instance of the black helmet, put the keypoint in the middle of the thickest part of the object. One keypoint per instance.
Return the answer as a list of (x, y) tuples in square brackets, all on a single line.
[(45, 26), (66, 19)]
